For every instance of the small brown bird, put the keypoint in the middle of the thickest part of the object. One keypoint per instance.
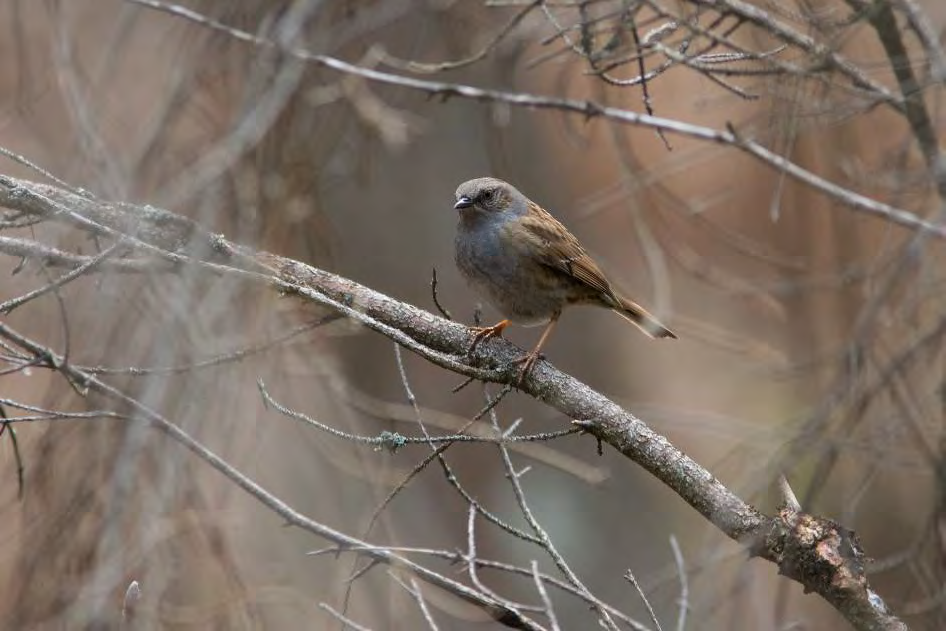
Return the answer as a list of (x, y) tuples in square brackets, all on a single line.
[(529, 266)]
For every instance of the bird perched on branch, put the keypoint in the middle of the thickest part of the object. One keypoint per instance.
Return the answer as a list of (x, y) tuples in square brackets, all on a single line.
[(529, 266)]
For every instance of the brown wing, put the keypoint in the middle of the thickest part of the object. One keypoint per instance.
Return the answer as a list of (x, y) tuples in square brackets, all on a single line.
[(558, 248)]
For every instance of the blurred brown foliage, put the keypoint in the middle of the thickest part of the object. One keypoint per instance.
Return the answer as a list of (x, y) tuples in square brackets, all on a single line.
[(792, 310)]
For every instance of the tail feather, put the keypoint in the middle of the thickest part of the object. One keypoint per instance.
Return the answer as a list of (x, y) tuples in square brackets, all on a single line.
[(638, 316)]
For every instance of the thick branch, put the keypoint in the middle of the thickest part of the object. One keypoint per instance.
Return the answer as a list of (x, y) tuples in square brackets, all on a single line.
[(819, 554)]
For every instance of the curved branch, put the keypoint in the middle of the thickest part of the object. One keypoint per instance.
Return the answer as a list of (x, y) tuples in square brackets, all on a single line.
[(818, 553)]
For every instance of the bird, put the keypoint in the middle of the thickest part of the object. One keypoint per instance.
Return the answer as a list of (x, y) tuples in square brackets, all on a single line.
[(529, 267)]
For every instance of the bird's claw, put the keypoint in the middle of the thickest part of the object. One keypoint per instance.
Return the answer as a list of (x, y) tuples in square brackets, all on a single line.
[(483, 333), (528, 362)]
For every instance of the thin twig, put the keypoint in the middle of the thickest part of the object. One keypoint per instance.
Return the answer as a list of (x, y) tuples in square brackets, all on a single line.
[(433, 291), (684, 600), (630, 578)]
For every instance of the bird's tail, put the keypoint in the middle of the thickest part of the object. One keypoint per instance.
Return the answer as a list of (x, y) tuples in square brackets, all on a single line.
[(639, 317)]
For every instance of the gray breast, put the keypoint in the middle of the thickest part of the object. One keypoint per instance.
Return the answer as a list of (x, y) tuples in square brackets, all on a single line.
[(516, 286)]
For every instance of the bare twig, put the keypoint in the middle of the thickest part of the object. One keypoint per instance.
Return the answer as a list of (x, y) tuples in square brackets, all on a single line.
[(630, 578), (684, 599), (500, 611), (591, 109)]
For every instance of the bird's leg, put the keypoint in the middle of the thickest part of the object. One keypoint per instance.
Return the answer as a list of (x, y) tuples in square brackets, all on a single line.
[(482, 333), (529, 360)]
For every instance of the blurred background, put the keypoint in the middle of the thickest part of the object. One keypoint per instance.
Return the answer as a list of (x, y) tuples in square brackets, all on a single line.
[(810, 333)]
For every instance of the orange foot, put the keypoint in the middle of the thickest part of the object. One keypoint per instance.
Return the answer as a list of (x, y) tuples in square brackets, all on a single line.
[(527, 361), (483, 333)]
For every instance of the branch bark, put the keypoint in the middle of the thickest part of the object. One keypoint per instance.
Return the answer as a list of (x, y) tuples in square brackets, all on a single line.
[(818, 553)]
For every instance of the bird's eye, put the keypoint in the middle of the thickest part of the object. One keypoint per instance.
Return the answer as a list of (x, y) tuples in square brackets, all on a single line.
[(488, 195)]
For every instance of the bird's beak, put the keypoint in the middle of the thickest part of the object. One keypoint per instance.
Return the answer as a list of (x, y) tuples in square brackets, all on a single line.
[(463, 202)]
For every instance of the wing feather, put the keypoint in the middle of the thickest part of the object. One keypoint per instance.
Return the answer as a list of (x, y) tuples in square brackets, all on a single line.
[(558, 248)]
